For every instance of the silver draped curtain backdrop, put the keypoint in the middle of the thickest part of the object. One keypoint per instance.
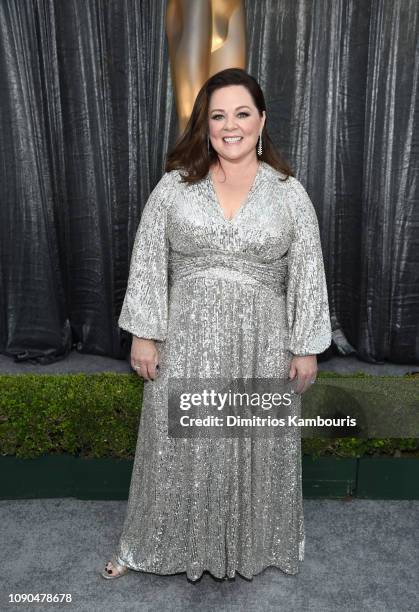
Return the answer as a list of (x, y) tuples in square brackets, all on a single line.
[(87, 116)]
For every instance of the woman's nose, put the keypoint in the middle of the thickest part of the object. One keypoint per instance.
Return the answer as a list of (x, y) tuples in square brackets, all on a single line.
[(230, 124)]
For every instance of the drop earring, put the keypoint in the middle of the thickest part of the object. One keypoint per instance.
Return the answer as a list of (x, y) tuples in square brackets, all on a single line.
[(208, 143), (260, 145)]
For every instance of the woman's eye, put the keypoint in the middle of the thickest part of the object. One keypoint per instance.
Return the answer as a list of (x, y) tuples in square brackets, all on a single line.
[(219, 115)]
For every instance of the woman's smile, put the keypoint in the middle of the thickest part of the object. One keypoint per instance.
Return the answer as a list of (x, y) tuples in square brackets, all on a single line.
[(232, 140)]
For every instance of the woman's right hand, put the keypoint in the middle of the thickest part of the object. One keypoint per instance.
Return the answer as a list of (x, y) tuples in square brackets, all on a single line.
[(144, 357)]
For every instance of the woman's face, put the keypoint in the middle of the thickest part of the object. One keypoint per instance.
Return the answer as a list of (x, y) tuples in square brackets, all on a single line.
[(232, 112)]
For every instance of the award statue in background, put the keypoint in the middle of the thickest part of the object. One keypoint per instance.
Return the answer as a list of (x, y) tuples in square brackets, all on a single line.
[(204, 36)]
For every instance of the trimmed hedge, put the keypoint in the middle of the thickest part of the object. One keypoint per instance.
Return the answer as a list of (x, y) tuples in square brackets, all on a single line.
[(97, 415)]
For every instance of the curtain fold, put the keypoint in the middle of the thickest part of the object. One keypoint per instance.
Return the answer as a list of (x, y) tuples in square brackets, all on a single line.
[(87, 116)]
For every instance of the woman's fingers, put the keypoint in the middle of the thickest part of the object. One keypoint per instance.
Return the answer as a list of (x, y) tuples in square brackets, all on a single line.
[(300, 383), (151, 370), (144, 358), (303, 370), (148, 369), (139, 368), (304, 381)]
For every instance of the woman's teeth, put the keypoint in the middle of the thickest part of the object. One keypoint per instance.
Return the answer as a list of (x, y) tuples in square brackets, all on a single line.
[(232, 140)]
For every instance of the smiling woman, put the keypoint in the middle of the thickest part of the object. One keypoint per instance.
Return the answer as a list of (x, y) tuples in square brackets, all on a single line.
[(226, 281), (234, 131), (232, 127), (230, 104)]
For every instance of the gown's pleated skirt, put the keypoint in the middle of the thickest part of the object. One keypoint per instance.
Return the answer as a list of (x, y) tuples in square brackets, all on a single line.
[(222, 505)]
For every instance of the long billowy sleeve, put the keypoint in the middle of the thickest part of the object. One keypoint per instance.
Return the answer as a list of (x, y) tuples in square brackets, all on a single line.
[(144, 311), (307, 303)]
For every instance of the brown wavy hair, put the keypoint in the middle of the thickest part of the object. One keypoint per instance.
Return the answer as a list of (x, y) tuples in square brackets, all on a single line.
[(190, 151)]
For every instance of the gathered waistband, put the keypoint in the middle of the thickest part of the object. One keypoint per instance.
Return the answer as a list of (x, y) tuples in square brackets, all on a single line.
[(228, 266)]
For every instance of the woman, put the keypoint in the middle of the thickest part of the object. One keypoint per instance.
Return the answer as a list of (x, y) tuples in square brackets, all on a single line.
[(226, 279)]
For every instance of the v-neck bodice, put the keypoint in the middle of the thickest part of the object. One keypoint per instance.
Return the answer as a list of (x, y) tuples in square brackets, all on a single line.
[(244, 202)]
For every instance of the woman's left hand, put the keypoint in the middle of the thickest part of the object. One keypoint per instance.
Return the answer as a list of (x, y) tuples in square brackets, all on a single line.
[(305, 369)]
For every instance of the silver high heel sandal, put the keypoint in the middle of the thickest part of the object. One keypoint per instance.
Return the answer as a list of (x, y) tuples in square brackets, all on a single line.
[(116, 571)]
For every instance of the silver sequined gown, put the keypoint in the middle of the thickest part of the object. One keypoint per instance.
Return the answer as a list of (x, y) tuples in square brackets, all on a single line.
[(222, 298)]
